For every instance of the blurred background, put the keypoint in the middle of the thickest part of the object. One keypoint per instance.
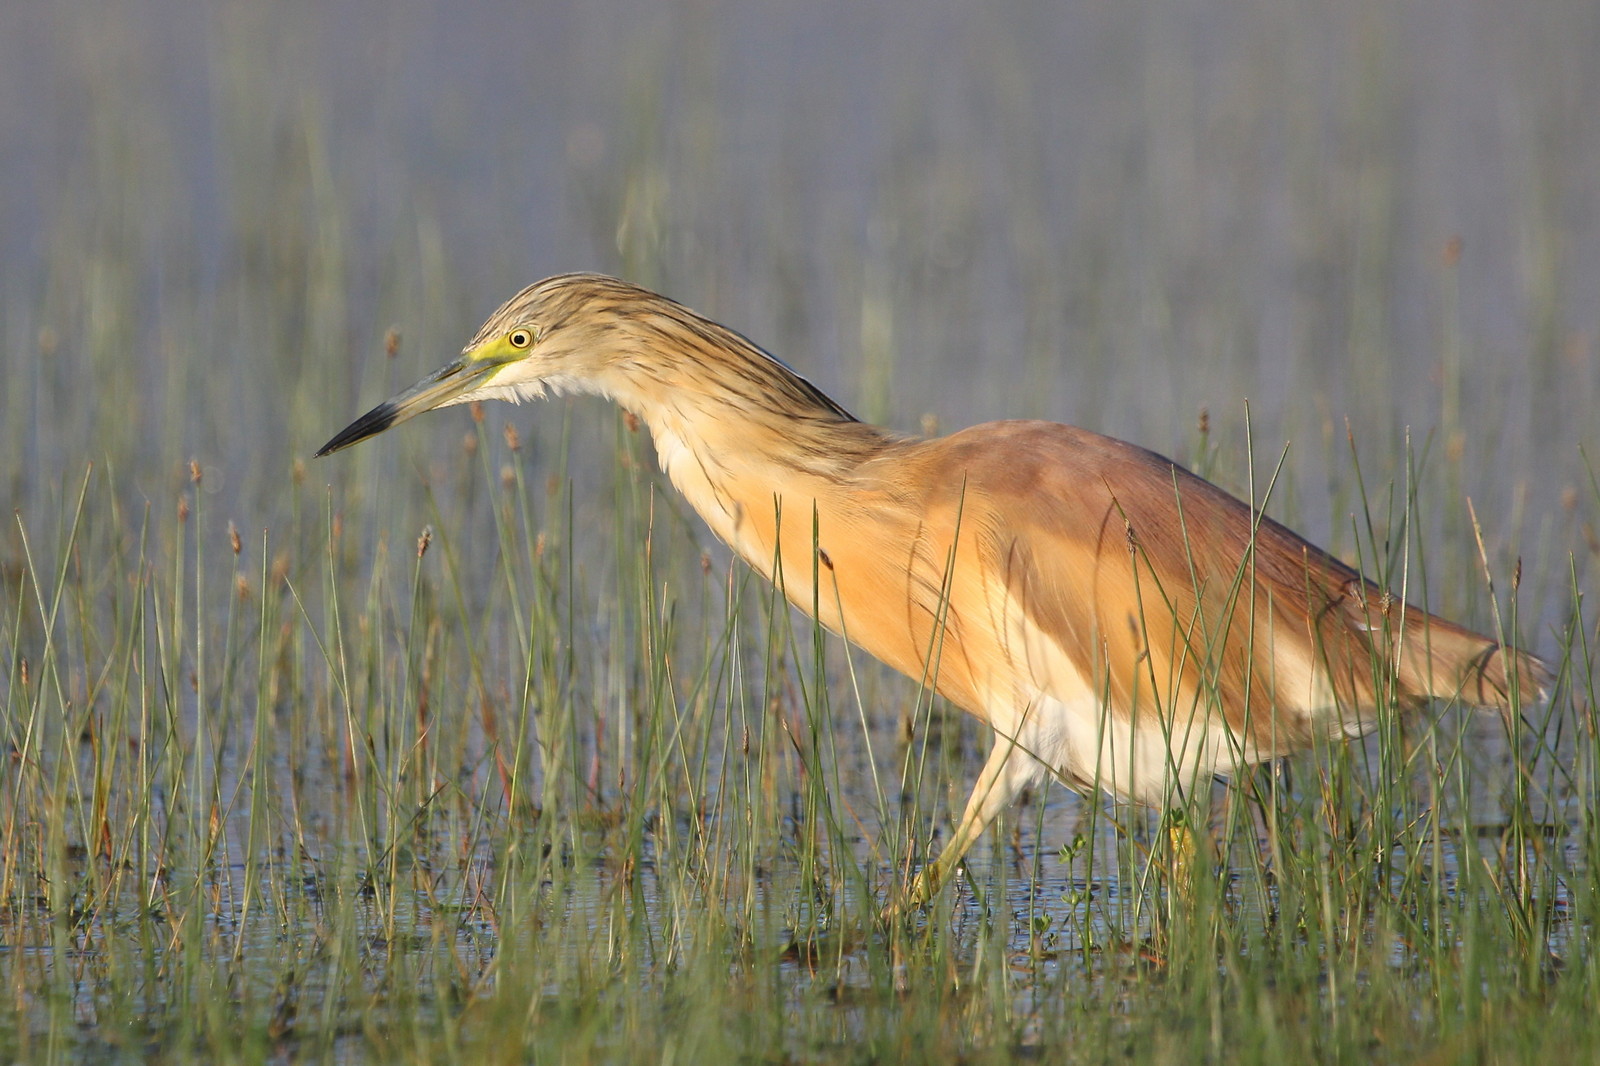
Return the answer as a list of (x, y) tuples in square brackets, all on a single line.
[(1354, 221)]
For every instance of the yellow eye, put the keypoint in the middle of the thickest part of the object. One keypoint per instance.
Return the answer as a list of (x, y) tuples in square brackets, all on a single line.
[(520, 338)]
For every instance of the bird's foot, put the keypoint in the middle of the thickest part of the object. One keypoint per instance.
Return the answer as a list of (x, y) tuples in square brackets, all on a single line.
[(921, 892), (925, 885)]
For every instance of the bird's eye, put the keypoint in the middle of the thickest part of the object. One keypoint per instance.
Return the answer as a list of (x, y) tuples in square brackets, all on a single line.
[(521, 338)]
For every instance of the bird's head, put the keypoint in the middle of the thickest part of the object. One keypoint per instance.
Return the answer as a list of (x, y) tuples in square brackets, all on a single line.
[(550, 337)]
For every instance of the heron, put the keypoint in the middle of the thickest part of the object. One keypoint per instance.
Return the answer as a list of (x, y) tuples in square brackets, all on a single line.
[(1119, 623)]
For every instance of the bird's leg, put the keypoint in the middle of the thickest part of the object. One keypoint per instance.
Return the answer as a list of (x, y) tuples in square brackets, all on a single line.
[(1010, 769)]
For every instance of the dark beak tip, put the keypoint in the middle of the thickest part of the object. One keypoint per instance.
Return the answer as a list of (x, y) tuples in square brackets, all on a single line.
[(373, 422)]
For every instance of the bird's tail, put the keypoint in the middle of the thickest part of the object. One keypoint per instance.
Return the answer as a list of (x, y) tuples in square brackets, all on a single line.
[(1441, 660), (1438, 659)]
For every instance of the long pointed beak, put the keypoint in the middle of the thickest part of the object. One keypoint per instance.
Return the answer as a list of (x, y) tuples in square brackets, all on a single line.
[(435, 390)]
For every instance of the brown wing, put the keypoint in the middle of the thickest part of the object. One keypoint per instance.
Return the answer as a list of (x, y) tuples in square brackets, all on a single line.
[(1168, 592)]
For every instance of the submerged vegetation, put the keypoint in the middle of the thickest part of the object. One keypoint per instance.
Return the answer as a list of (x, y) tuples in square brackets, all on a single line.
[(473, 746)]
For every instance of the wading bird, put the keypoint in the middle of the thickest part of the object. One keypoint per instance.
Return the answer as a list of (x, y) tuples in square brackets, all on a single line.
[(1118, 621)]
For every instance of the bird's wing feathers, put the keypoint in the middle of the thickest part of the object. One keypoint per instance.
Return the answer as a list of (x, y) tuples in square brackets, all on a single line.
[(1165, 592)]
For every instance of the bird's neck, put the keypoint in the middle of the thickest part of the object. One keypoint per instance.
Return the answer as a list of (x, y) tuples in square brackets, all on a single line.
[(731, 440), (709, 394), (744, 439)]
